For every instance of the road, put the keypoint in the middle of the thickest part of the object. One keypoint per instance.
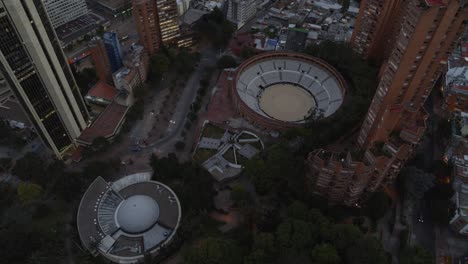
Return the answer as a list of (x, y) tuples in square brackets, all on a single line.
[(208, 59)]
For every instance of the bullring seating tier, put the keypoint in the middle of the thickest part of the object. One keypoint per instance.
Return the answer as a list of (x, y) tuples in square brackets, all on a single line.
[(320, 83)]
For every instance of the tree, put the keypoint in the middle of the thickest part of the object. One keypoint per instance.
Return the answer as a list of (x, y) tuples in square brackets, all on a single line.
[(277, 169), (344, 5), (215, 28), (416, 255), (226, 61), (295, 234), (29, 192), (159, 64), (30, 166), (179, 145), (85, 78), (298, 210), (166, 168), (441, 206), (100, 168), (100, 144), (213, 250), (5, 164), (68, 186), (325, 254), (366, 250), (378, 205), (240, 196), (185, 61), (416, 183), (343, 236), (247, 52)]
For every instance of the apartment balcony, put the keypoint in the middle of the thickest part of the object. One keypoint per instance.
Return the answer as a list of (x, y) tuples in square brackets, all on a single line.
[(411, 135)]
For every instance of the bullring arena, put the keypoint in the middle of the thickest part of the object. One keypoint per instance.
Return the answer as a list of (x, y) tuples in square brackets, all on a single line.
[(278, 90)]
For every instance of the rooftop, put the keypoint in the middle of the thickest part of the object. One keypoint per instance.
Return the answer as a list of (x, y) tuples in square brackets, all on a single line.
[(106, 125), (114, 4), (129, 218), (79, 27), (102, 90)]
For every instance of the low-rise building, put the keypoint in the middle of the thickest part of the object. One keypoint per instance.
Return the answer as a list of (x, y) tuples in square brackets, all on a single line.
[(114, 8), (456, 86), (126, 80), (100, 96), (107, 125), (459, 221)]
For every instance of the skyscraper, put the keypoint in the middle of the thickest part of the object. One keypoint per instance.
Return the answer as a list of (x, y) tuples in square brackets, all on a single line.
[(63, 11), (114, 52), (426, 31), (429, 31), (38, 74), (157, 23)]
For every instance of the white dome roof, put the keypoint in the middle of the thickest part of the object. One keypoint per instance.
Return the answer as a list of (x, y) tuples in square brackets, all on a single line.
[(137, 213)]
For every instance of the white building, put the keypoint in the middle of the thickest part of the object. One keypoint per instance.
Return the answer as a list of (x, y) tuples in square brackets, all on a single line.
[(241, 11), (182, 6), (459, 222), (63, 11), (37, 72)]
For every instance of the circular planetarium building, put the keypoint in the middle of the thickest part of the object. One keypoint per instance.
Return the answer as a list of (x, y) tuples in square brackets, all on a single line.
[(278, 90), (128, 219)]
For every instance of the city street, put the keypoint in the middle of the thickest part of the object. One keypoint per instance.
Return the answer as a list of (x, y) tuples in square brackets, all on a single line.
[(208, 59)]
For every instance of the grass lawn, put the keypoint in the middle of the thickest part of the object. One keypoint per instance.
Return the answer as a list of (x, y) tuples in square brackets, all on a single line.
[(256, 145), (229, 155), (203, 154), (211, 131), (241, 159)]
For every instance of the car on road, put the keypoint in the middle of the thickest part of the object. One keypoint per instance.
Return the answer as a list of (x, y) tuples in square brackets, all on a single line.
[(135, 149)]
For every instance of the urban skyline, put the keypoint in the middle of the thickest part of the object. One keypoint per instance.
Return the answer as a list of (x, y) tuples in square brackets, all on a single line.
[(234, 131)]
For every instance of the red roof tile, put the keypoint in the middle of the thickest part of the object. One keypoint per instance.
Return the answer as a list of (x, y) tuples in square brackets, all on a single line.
[(103, 90), (106, 125)]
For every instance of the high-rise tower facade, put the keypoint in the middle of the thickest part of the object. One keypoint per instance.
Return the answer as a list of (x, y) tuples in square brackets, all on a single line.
[(375, 27), (424, 32), (157, 23), (38, 74), (429, 31)]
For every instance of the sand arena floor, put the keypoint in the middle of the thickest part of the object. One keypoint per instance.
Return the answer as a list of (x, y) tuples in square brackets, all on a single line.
[(286, 102)]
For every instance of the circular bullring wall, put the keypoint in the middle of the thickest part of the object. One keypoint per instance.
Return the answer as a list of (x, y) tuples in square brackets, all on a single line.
[(278, 90)]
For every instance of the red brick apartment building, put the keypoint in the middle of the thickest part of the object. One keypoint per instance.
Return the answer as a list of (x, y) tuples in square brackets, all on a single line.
[(157, 23), (413, 38)]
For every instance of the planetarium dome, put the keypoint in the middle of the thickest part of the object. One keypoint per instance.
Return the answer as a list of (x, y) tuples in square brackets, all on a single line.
[(137, 214), (129, 219)]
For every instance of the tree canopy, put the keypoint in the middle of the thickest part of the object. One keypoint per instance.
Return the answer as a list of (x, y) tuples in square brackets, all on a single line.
[(30, 166), (416, 255), (213, 250), (361, 77), (325, 254), (159, 65), (215, 28), (226, 61)]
